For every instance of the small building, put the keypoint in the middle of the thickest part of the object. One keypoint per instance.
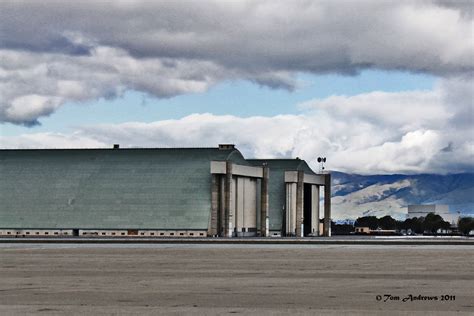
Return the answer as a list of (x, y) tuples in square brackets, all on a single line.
[(422, 210), (178, 192), (367, 231), (362, 230)]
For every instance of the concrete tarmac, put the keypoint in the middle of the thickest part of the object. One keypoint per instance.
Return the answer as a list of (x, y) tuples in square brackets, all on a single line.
[(206, 279)]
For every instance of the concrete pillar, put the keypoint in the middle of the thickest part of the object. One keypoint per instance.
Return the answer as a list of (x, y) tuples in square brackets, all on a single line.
[(327, 205), (299, 204), (239, 205), (213, 228), (315, 210), (228, 200), (233, 206), (291, 209), (221, 217), (264, 202)]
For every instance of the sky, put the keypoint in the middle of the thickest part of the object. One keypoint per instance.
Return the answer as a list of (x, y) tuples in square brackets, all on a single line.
[(377, 87)]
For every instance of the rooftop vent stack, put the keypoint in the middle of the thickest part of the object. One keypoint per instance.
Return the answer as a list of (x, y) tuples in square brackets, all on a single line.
[(116, 146), (226, 146)]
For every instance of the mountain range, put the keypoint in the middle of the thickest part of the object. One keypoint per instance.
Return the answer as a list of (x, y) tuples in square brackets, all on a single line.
[(356, 195)]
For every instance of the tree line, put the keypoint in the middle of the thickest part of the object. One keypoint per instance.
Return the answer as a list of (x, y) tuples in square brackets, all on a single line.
[(466, 224), (431, 223), (418, 225)]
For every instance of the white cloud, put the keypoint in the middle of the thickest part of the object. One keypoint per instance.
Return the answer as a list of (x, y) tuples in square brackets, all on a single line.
[(29, 107), (421, 133), (52, 53), (412, 108), (60, 52), (35, 85), (50, 140)]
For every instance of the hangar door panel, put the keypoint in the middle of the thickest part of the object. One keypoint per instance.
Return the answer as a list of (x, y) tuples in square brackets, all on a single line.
[(239, 204), (250, 204), (245, 206)]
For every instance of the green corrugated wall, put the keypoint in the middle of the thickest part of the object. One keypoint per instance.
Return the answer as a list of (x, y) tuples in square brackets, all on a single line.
[(106, 188)]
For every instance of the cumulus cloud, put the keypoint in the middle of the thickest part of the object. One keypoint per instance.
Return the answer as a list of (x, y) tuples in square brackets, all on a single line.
[(52, 53), (50, 140), (55, 52), (35, 85), (406, 110), (422, 133)]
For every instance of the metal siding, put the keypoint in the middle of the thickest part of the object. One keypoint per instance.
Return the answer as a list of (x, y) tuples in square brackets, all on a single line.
[(123, 188)]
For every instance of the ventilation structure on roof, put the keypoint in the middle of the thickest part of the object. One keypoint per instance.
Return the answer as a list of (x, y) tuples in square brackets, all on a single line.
[(226, 146)]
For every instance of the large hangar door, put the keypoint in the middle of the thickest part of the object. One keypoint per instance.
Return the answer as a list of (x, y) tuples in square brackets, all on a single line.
[(250, 206), (309, 210), (237, 201), (245, 206)]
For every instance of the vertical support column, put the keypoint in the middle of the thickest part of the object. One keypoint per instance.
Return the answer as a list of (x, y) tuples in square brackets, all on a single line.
[(288, 210), (264, 229), (327, 205), (228, 200), (239, 205), (221, 217), (315, 210), (299, 204), (293, 208), (214, 205)]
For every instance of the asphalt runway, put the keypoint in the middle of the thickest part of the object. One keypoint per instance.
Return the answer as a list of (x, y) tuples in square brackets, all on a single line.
[(203, 279)]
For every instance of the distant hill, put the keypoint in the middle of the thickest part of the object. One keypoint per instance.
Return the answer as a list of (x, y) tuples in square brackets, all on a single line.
[(358, 195)]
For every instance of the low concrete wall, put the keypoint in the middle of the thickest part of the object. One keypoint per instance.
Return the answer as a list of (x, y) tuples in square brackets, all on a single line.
[(35, 232), (100, 233)]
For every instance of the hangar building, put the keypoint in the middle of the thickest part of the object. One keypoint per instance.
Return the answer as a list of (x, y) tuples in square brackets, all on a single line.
[(188, 192)]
